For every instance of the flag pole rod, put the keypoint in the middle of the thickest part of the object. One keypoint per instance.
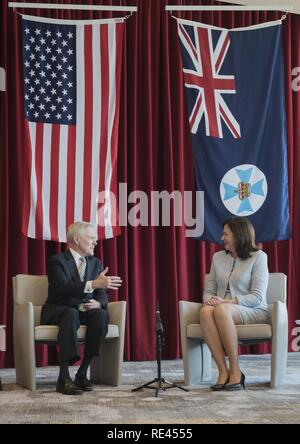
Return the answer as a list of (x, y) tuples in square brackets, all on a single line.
[(78, 7), (229, 8)]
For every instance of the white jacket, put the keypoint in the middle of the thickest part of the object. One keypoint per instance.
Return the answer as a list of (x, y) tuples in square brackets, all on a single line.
[(248, 281)]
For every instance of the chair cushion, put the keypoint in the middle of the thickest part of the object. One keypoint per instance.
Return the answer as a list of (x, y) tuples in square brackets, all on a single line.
[(249, 331), (194, 331), (254, 331), (49, 332)]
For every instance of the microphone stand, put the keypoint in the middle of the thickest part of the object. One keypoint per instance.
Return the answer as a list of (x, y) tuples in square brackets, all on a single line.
[(159, 383)]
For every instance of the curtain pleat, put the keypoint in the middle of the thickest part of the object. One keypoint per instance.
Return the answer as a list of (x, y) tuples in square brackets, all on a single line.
[(156, 263)]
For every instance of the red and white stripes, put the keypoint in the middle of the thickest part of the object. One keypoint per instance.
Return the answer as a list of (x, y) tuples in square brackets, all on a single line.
[(68, 165)]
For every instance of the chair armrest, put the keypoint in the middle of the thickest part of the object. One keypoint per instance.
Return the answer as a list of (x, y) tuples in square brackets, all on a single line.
[(189, 312), (117, 312)]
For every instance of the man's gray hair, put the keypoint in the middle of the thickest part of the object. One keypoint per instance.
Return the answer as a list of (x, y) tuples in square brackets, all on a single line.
[(77, 229)]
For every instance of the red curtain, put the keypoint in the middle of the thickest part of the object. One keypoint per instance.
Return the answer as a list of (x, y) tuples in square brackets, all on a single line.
[(156, 263)]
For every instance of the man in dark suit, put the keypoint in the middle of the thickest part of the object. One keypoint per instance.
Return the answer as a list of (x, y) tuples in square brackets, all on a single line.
[(77, 295)]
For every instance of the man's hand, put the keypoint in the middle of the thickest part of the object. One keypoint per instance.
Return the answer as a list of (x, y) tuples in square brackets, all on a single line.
[(91, 304), (110, 282)]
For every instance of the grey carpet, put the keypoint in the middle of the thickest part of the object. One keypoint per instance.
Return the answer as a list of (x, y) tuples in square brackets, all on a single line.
[(119, 405)]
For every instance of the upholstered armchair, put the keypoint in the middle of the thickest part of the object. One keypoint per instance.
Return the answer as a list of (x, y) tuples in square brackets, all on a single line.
[(30, 293), (195, 352)]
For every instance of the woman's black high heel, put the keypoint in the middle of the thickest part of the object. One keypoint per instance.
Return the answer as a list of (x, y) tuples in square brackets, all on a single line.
[(238, 386), (219, 387)]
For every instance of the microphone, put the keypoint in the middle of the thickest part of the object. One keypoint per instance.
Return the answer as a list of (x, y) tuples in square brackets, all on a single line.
[(159, 326)]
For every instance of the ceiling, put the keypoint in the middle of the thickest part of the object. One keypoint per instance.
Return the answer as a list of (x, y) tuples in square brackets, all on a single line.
[(294, 3)]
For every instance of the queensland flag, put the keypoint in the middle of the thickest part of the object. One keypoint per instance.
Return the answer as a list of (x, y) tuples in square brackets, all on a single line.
[(234, 83)]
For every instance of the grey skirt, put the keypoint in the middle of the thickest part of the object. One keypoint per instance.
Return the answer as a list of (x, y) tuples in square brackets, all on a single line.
[(251, 315)]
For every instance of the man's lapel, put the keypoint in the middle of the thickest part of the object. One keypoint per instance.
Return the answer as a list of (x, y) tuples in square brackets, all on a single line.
[(71, 264)]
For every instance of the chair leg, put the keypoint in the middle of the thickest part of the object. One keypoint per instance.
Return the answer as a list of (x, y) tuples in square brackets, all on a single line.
[(196, 362), (106, 368), (279, 343), (25, 371), (278, 360), (24, 346)]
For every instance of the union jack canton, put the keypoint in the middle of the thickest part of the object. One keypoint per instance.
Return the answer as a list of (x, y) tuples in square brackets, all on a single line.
[(206, 56)]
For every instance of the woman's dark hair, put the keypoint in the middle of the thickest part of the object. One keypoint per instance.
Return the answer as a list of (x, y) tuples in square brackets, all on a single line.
[(244, 236)]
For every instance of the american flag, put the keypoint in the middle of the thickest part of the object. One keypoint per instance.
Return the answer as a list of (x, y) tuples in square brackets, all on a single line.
[(71, 90), (203, 75)]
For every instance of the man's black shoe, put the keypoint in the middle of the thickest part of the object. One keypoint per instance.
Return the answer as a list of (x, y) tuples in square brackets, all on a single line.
[(83, 383), (67, 387)]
